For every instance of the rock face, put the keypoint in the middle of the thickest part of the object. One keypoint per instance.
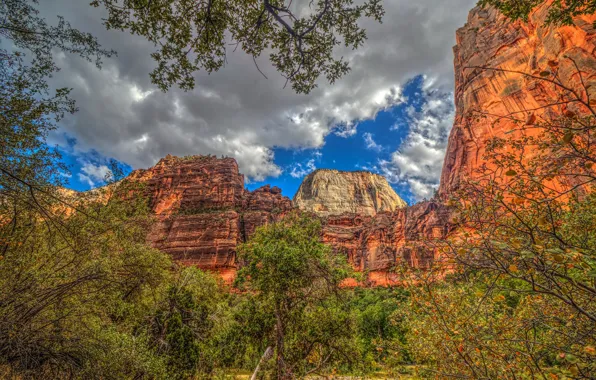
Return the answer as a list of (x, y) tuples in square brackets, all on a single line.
[(203, 210), (488, 40), (332, 192), (376, 244)]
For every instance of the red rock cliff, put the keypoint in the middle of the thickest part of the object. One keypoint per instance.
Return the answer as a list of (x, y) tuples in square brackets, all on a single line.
[(491, 41), (203, 209)]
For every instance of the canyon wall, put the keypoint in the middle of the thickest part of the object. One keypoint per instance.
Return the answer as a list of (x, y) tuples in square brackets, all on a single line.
[(204, 212), (492, 56)]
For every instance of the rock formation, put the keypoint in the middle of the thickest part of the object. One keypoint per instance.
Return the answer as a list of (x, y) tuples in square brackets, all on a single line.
[(490, 41), (203, 210), (332, 192), (376, 244)]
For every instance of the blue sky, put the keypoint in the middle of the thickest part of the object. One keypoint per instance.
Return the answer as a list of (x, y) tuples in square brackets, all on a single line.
[(371, 145), (391, 114)]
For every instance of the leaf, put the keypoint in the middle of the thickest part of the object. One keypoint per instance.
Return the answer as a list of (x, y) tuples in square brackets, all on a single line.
[(553, 63), (558, 258), (510, 173), (513, 268), (531, 119), (568, 137), (590, 350), (569, 114), (544, 73), (592, 102), (589, 165)]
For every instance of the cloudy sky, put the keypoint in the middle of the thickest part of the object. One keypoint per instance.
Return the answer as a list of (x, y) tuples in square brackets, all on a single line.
[(391, 114)]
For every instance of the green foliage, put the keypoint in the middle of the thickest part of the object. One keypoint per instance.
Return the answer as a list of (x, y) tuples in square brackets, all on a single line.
[(73, 283), (185, 323), (192, 35), (380, 332), (296, 280), (521, 300), (28, 111), (559, 13)]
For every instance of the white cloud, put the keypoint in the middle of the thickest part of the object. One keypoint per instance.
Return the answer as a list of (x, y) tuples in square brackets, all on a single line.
[(238, 113), (419, 160), (371, 143), (94, 175), (300, 170)]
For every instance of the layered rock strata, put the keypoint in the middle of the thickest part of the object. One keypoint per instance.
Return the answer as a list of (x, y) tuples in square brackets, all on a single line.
[(203, 210)]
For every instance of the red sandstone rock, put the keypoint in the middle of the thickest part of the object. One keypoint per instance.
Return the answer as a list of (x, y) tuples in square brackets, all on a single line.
[(204, 211), (490, 40), (377, 244)]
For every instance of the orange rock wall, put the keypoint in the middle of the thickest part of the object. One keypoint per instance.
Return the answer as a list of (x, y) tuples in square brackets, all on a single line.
[(203, 210), (489, 40)]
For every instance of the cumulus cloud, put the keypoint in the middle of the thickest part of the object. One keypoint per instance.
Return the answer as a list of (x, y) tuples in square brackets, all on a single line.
[(419, 159), (237, 112)]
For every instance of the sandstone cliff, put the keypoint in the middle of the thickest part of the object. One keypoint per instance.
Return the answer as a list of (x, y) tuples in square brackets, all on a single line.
[(490, 41), (203, 210), (332, 192)]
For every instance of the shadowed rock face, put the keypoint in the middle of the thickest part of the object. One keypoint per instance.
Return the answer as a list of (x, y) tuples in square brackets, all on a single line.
[(491, 41), (332, 192), (377, 244)]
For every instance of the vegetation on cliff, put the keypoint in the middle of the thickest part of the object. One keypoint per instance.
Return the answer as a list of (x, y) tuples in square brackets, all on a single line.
[(520, 299)]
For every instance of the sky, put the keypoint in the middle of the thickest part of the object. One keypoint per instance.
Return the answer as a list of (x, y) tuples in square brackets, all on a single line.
[(391, 114)]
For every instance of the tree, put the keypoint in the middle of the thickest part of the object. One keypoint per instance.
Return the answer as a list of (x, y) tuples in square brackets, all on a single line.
[(29, 110), (194, 34), (296, 279), (559, 13), (186, 322), (75, 280), (521, 299)]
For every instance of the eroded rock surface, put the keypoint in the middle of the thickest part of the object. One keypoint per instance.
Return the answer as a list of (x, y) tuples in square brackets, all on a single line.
[(332, 192), (377, 244), (489, 43), (203, 210)]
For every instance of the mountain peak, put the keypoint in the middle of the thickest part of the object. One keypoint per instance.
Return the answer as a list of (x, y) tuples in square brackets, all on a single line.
[(332, 192)]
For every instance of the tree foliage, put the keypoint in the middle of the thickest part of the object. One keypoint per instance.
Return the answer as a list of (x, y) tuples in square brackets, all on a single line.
[(296, 279), (559, 13), (194, 35), (29, 109), (521, 301)]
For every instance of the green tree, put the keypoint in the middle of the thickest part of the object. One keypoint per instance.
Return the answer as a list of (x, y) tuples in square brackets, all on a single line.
[(296, 279), (76, 276), (194, 34), (559, 13), (186, 322), (521, 301), (29, 109)]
